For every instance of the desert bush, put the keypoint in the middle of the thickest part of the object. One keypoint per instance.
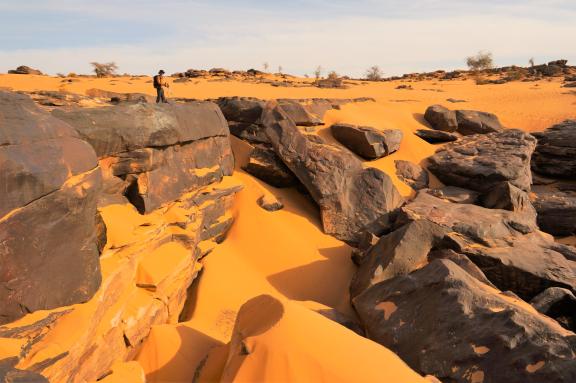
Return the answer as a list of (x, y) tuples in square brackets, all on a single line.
[(481, 61), (333, 75), (265, 66), (104, 69), (72, 74), (318, 73), (374, 73), (280, 69), (531, 62)]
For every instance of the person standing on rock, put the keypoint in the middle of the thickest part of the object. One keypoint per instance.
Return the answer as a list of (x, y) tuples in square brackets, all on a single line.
[(160, 84)]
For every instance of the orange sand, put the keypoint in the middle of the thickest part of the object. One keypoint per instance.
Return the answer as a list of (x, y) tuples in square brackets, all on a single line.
[(285, 254)]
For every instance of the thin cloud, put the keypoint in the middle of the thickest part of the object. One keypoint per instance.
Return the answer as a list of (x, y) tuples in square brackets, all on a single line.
[(342, 35)]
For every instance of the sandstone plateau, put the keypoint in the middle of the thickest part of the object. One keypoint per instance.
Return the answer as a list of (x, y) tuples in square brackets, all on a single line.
[(269, 228)]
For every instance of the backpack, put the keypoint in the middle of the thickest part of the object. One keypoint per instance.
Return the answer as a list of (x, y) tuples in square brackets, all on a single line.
[(157, 81)]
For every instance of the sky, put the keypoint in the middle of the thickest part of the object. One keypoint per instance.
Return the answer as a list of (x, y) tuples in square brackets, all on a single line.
[(346, 36)]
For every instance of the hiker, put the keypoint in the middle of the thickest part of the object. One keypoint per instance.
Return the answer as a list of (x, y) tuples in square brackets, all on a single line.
[(160, 84)]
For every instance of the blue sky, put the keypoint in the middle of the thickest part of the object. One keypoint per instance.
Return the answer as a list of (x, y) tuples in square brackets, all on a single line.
[(342, 35)]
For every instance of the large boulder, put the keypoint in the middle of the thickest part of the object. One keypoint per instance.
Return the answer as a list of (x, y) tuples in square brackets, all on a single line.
[(475, 122), (444, 322), (351, 199), (160, 151), (367, 142), (50, 183), (480, 162), (441, 118), (555, 154), (241, 109), (506, 245)]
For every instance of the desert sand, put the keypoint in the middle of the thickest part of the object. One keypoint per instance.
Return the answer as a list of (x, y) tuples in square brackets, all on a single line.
[(281, 261)]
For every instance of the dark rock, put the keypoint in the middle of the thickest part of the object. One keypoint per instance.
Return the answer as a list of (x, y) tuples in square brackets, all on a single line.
[(570, 85), (507, 246), (10, 374), (559, 304), (332, 83), (397, 253), (455, 100), (50, 183), (555, 154), (367, 142), (441, 118), (411, 174), (270, 203), (556, 211), (23, 69), (299, 114), (161, 151), (436, 136), (350, 198), (455, 194), (474, 122), (101, 235), (241, 109), (264, 164), (480, 162), (442, 321)]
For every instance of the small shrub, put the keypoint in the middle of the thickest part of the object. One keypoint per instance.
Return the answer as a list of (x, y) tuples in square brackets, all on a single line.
[(333, 75), (374, 73), (72, 74), (265, 66), (318, 73), (104, 69), (481, 61)]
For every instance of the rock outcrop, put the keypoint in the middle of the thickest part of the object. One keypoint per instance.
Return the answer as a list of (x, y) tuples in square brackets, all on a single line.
[(367, 142), (159, 152), (183, 153), (444, 322), (351, 199), (555, 153), (480, 162), (50, 184), (23, 69)]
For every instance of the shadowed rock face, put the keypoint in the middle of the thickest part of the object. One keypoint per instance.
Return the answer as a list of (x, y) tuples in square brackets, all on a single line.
[(50, 181), (556, 210), (481, 162), (264, 164), (158, 151), (444, 322), (441, 118), (556, 151), (351, 199)]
